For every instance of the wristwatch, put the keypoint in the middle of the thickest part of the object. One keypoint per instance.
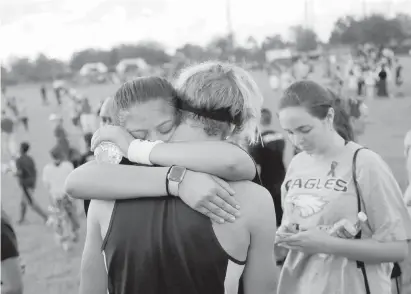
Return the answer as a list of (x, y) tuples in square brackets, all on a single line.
[(174, 177)]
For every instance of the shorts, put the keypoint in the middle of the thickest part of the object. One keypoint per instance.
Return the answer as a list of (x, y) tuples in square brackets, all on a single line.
[(27, 194)]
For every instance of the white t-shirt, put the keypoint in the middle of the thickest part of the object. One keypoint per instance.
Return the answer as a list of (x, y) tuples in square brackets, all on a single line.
[(321, 193), (54, 177), (274, 82)]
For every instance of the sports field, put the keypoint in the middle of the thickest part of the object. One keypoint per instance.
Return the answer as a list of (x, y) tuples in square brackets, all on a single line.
[(50, 270)]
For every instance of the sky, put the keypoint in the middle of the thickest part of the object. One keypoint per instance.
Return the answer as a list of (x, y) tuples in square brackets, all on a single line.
[(59, 28)]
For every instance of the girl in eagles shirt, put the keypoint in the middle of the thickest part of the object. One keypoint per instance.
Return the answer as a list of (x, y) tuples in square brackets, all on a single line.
[(318, 192)]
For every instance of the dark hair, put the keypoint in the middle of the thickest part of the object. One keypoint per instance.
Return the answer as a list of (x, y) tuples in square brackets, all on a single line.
[(141, 90), (318, 100), (87, 138), (24, 147), (266, 116), (56, 153)]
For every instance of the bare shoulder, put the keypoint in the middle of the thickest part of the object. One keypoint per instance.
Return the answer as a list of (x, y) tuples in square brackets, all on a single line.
[(256, 202), (244, 189)]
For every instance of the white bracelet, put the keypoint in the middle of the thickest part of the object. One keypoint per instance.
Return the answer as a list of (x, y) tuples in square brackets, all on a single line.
[(139, 151)]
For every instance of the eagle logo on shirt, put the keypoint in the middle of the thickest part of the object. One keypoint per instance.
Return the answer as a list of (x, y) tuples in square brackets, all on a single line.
[(306, 204)]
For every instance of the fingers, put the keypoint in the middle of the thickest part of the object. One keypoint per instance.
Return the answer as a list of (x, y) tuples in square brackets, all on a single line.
[(210, 215), (292, 228), (344, 229), (344, 234), (224, 185), (217, 211), (227, 198), (281, 236), (227, 205)]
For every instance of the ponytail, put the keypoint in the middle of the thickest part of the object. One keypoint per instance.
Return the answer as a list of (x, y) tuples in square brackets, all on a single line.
[(342, 122)]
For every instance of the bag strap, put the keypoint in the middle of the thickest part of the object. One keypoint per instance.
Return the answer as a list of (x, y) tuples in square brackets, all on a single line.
[(360, 264)]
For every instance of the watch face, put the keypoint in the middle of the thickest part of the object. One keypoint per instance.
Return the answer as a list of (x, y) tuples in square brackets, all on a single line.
[(177, 173)]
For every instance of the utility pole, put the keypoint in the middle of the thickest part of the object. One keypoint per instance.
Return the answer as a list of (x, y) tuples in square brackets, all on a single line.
[(364, 8), (230, 30), (306, 14)]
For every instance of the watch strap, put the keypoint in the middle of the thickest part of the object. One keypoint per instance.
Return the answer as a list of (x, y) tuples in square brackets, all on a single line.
[(168, 181)]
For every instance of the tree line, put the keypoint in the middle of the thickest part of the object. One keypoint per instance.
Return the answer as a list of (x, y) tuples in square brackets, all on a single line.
[(348, 30)]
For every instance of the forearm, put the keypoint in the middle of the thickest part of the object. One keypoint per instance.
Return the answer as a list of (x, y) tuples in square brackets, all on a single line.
[(105, 181), (93, 278), (221, 159), (368, 251)]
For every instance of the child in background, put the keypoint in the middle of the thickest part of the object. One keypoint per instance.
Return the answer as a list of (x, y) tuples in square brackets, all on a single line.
[(63, 213)]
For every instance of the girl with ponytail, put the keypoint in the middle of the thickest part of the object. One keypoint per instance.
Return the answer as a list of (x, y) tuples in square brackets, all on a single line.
[(342, 212)]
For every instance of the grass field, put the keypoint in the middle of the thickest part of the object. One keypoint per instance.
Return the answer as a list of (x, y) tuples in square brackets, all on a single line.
[(50, 270)]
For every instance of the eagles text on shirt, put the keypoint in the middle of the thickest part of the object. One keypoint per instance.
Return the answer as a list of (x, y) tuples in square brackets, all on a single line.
[(336, 184)]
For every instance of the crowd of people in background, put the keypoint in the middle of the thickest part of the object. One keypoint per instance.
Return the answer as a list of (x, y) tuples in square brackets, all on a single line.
[(370, 73), (66, 154), (364, 73)]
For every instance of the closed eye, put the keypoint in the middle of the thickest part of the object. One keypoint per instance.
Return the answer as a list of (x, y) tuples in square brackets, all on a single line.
[(305, 129), (302, 129), (165, 127)]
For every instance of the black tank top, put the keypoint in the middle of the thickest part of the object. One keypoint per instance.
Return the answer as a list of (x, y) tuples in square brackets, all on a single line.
[(161, 246)]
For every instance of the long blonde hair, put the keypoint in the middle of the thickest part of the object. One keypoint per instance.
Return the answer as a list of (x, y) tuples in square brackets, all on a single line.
[(217, 85)]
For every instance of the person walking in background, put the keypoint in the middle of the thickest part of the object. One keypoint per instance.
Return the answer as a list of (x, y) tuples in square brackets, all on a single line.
[(27, 175), (43, 93), (382, 82), (57, 87), (398, 77), (268, 153), (12, 105), (61, 135), (63, 210), (11, 270), (23, 117), (88, 121), (8, 139)]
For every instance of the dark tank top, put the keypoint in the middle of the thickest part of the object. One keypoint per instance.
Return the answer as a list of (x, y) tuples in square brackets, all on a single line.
[(162, 246), (159, 246)]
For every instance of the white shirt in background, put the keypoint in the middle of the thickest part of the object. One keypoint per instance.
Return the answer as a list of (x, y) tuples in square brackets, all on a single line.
[(54, 178), (286, 80), (369, 78), (274, 82)]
